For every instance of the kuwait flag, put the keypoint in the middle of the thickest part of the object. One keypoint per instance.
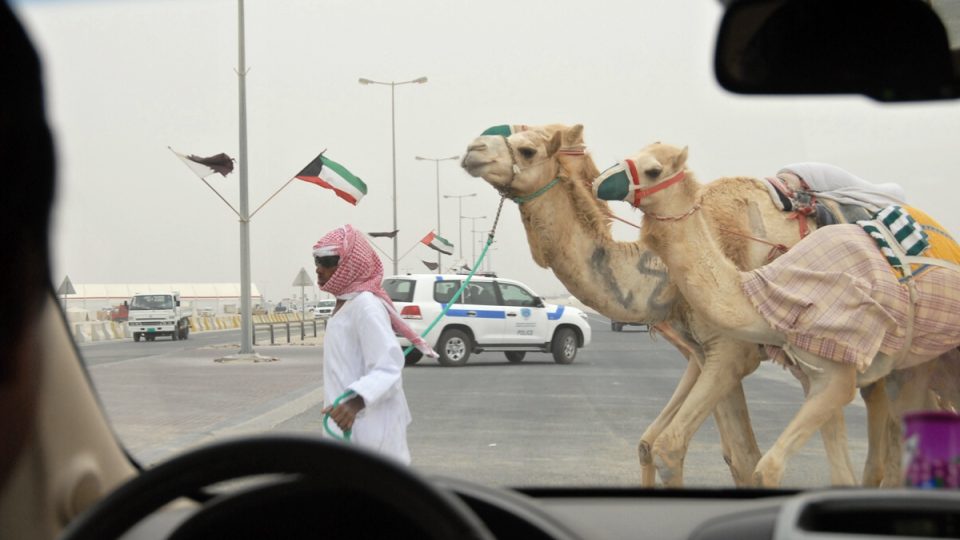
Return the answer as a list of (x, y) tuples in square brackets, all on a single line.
[(438, 243), (205, 166), (327, 173)]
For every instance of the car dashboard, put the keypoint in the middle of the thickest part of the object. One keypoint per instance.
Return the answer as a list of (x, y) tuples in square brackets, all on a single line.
[(693, 514)]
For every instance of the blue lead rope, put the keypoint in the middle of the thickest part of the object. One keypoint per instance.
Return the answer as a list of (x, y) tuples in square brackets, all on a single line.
[(326, 418)]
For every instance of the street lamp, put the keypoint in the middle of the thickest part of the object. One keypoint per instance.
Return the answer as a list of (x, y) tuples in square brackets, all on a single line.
[(393, 138), (436, 161), (473, 225), (460, 220)]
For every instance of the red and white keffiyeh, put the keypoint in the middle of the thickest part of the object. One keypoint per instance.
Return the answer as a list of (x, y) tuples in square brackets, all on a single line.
[(360, 269)]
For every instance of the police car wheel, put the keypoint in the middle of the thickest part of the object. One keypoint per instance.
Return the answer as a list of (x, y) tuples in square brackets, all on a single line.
[(515, 357), (454, 348), (564, 346)]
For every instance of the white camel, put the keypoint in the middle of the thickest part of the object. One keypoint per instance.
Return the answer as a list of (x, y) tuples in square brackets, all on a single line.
[(831, 307)]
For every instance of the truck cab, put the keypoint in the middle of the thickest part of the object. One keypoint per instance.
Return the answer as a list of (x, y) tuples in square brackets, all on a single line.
[(158, 314)]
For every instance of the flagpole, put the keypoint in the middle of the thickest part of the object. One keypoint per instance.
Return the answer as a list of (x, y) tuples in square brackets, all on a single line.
[(246, 321), (407, 252), (211, 188), (385, 254), (272, 196)]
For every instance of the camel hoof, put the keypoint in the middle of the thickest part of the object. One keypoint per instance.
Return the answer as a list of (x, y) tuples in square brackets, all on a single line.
[(669, 465), (643, 450), (767, 477)]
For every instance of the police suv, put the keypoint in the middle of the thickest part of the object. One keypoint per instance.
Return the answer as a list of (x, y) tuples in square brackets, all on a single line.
[(492, 314)]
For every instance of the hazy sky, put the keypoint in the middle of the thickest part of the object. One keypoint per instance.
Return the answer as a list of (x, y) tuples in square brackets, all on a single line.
[(127, 79)]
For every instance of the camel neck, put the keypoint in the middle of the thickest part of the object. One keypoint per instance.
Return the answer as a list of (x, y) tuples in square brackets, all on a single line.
[(569, 232), (706, 277)]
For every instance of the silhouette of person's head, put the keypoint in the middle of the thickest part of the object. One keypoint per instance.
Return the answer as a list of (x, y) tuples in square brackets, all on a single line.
[(27, 171)]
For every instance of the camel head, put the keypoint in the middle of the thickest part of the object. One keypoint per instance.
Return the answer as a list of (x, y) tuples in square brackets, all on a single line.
[(651, 180), (519, 160)]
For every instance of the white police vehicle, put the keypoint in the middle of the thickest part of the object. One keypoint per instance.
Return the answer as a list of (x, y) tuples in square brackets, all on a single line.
[(493, 314), (324, 309)]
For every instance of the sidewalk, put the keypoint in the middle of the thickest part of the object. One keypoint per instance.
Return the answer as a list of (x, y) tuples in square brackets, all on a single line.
[(161, 405)]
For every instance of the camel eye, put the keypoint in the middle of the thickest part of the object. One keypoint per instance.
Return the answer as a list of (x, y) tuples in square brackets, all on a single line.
[(527, 153), (653, 173)]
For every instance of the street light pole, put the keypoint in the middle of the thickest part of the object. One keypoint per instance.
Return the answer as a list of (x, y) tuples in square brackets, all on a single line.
[(246, 321), (393, 141), (436, 161), (473, 226), (460, 217)]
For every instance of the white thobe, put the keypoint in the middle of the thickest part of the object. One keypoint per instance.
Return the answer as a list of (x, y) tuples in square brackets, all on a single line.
[(361, 353)]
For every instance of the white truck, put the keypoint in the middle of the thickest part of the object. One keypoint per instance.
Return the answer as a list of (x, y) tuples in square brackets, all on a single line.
[(158, 314)]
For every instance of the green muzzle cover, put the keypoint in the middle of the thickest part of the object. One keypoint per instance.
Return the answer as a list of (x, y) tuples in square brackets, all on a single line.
[(503, 130), (613, 184)]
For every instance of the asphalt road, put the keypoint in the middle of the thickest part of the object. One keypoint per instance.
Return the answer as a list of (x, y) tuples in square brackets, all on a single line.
[(530, 424)]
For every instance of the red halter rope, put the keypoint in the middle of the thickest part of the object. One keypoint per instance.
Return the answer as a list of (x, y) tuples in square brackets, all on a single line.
[(639, 194)]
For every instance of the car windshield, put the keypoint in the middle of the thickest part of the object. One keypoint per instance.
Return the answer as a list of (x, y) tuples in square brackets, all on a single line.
[(391, 97)]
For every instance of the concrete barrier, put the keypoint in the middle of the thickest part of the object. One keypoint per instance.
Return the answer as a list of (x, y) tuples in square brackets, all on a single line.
[(81, 333), (98, 331)]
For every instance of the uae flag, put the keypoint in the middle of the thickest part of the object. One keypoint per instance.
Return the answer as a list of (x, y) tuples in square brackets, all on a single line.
[(438, 243), (327, 173), (205, 166), (430, 265)]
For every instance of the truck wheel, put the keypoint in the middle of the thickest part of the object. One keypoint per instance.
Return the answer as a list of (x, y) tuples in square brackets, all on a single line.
[(412, 358), (136, 336), (175, 335), (515, 357), (564, 346), (185, 333), (454, 348)]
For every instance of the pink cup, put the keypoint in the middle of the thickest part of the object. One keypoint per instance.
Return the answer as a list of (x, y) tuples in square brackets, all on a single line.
[(931, 449)]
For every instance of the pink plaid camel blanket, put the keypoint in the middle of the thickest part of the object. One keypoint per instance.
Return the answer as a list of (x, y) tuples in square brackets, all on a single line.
[(834, 295)]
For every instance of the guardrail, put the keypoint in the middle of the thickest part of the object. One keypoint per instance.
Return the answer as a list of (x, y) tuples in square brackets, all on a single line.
[(102, 330), (286, 325)]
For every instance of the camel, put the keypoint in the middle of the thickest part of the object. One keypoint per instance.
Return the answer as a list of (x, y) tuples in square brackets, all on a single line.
[(875, 327), (569, 232)]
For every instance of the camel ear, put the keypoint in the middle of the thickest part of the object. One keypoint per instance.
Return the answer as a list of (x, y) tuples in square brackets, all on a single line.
[(554, 143), (681, 160), (575, 135)]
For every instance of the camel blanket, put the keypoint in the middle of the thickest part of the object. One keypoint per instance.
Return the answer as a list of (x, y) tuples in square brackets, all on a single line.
[(834, 295)]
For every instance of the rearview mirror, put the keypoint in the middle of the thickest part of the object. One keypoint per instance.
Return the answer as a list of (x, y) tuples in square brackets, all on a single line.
[(890, 50)]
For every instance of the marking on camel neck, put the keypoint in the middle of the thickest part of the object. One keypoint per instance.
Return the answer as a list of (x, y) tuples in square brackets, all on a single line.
[(645, 267), (600, 263)]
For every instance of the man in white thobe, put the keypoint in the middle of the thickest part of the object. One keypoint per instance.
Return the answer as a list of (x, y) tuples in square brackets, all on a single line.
[(362, 360), (361, 354)]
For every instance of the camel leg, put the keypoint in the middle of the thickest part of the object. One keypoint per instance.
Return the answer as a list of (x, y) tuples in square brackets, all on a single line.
[(647, 470), (907, 390), (726, 363), (878, 415), (892, 468), (831, 388), (833, 432), (740, 450)]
